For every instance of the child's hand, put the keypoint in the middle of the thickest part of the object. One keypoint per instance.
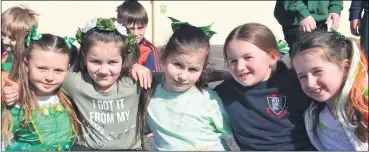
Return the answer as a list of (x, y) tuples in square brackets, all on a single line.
[(308, 24), (334, 20), (140, 72), (10, 92)]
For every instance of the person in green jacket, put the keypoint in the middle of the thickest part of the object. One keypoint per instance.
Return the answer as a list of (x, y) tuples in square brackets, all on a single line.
[(14, 20), (301, 16)]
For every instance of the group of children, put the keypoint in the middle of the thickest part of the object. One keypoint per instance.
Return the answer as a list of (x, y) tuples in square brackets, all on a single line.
[(101, 96)]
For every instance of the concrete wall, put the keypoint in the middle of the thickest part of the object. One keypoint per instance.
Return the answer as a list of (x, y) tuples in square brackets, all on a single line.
[(63, 17)]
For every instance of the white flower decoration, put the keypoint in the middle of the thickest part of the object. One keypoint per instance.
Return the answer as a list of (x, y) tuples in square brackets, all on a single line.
[(89, 25), (120, 28)]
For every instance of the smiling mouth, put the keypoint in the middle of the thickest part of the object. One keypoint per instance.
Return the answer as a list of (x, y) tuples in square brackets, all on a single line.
[(179, 83), (316, 91), (47, 85), (244, 75)]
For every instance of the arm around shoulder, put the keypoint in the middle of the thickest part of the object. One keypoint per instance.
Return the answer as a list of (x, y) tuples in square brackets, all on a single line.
[(219, 115)]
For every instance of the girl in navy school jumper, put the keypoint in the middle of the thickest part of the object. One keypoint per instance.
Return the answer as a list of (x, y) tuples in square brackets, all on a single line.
[(264, 101)]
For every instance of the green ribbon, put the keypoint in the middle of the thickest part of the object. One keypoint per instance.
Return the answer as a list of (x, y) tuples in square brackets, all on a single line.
[(283, 47), (69, 41), (339, 35), (206, 29), (32, 35)]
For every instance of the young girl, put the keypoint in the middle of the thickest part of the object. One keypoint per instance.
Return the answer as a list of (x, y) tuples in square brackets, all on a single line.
[(264, 102), (43, 119), (333, 71), (105, 96), (183, 113)]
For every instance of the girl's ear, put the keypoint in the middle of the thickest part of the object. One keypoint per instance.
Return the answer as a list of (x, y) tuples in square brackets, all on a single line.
[(274, 57), (346, 65), (162, 61)]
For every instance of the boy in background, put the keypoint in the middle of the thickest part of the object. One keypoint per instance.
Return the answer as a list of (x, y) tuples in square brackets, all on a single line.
[(133, 15)]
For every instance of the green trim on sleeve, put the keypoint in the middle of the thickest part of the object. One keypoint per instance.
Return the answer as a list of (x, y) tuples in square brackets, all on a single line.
[(336, 9), (304, 13)]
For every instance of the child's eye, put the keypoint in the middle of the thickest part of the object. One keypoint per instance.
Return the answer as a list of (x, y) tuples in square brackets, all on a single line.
[(59, 70), (178, 65), (113, 62), (95, 61), (317, 72), (247, 57), (193, 70), (302, 77), (232, 61), (42, 68)]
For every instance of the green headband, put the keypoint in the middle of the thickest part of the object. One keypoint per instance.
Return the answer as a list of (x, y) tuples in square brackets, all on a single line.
[(206, 29)]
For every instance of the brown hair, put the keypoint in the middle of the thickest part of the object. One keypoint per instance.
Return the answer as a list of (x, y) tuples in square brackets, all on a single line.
[(27, 97), (16, 19), (189, 38), (335, 50), (132, 12), (94, 35), (254, 33)]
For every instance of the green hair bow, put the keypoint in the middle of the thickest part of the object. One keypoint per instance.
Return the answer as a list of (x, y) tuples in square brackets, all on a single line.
[(206, 29), (283, 47), (69, 41), (32, 35)]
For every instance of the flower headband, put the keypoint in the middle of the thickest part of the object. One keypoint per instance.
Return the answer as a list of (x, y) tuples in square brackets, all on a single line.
[(206, 29), (33, 35), (107, 24)]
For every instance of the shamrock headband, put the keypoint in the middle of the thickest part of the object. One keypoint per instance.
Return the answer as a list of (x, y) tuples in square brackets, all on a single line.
[(206, 29), (108, 24), (33, 35)]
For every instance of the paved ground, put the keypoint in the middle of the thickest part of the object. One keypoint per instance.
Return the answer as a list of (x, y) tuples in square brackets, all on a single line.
[(217, 62)]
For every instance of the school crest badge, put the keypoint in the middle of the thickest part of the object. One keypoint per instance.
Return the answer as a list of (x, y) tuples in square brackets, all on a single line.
[(277, 105)]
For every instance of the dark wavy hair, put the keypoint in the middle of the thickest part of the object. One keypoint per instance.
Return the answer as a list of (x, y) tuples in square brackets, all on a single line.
[(189, 38)]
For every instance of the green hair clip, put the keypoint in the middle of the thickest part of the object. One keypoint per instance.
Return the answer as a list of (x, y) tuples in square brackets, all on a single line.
[(339, 35), (283, 47), (32, 35), (69, 41), (206, 29)]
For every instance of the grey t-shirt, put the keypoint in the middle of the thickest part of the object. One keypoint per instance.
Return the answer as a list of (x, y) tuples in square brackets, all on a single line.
[(108, 118)]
